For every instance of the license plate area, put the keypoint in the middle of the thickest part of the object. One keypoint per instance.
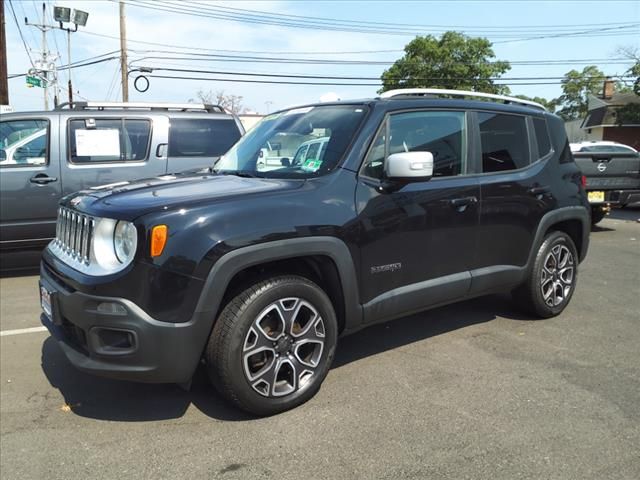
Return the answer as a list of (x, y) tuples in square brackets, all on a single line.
[(595, 196), (45, 302)]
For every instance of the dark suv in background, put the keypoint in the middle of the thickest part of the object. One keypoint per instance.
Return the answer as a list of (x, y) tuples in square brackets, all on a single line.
[(47, 155), (415, 201)]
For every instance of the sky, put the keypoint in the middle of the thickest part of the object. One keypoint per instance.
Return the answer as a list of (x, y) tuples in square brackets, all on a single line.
[(505, 23)]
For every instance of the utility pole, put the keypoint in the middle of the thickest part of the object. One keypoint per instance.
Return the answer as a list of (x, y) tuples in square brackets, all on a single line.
[(123, 54), (45, 67), (4, 87), (44, 57)]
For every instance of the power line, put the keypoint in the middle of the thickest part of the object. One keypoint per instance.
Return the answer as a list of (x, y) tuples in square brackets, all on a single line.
[(24, 15), (26, 49), (189, 47), (316, 61), (202, 12), (329, 77), (249, 16), (72, 66), (277, 82), (447, 27)]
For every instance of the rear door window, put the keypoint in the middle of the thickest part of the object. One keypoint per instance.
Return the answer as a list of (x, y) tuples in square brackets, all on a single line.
[(201, 137), (108, 140), (505, 144)]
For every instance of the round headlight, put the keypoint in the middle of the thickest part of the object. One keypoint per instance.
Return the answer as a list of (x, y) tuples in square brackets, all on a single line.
[(125, 241)]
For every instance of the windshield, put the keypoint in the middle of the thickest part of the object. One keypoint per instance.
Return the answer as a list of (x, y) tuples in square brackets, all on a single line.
[(297, 143)]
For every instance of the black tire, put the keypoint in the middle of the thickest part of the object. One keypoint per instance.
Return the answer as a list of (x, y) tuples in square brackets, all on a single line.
[(228, 354), (597, 214), (531, 295)]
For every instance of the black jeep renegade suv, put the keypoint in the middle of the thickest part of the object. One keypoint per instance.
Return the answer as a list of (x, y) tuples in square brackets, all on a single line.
[(405, 202)]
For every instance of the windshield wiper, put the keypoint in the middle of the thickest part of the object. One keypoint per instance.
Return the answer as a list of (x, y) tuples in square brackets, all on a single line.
[(237, 173)]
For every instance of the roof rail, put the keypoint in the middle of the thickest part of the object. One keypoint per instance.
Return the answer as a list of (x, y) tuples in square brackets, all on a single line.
[(459, 93), (183, 107)]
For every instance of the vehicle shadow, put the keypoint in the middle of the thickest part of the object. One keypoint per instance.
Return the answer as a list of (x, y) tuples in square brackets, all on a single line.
[(113, 400), (630, 214), (599, 228), (626, 214)]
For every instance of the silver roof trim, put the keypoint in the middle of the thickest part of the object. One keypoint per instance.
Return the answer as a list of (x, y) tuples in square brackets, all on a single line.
[(458, 93), (140, 106)]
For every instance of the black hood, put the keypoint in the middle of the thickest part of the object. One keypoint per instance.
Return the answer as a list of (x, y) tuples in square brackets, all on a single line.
[(129, 200)]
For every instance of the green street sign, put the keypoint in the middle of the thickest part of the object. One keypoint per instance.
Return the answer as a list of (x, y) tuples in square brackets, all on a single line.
[(34, 81)]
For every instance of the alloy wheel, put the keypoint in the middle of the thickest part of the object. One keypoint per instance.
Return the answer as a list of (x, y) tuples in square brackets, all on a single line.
[(283, 347), (557, 276)]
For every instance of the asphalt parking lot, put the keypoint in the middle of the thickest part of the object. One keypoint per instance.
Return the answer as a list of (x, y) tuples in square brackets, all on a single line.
[(470, 391)]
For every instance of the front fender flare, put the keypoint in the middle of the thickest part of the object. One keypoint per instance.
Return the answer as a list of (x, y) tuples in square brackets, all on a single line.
[(235, 261)]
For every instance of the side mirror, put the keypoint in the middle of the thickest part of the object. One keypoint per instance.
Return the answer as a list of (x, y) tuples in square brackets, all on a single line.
[(285, 162), (409, 166), (3, 155)]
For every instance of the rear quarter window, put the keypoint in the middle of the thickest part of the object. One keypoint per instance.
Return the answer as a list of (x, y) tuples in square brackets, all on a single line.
[(201, 137), (542, 136)]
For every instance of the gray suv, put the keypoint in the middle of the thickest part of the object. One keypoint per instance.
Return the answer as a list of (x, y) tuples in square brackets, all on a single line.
[(46, 155)]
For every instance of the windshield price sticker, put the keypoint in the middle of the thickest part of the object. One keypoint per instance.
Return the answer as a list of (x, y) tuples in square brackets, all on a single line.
[(311, 165)]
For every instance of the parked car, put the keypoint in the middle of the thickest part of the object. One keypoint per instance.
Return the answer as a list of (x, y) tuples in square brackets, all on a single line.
[(414, 203), (612, 174), (46, 155)]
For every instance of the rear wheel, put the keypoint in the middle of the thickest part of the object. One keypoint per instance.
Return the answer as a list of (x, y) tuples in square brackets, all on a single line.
[(552, 279), (272, 345)]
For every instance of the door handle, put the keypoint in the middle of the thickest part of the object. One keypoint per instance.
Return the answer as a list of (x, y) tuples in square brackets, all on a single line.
[(536, 191), (161, 150), (462, 203), (42, 179)]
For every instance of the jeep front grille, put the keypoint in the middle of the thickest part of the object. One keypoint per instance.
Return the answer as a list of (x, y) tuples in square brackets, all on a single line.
[(74, 232)]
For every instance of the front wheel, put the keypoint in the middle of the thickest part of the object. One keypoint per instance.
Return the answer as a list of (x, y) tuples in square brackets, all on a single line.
[(272, 345), (552, 279)]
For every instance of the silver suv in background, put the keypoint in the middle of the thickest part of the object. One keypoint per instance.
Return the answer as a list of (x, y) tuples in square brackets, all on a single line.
[(46, 155)]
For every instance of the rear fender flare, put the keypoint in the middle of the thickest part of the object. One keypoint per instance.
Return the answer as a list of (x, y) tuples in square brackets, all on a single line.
[(561, 215)]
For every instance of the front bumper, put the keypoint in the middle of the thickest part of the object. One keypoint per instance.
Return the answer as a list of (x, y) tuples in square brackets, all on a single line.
[(122, 341)]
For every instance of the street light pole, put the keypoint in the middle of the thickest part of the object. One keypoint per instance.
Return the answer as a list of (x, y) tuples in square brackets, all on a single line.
[(69, 65), (78, 18)]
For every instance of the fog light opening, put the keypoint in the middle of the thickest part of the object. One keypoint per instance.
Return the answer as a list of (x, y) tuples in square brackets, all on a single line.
[(112, 341), (111, 308)]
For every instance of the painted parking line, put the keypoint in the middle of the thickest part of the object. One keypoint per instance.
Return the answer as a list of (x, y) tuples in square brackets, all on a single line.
[(20, 331)]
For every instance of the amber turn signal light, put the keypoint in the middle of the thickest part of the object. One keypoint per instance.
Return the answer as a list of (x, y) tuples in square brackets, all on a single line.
[(159, 235)]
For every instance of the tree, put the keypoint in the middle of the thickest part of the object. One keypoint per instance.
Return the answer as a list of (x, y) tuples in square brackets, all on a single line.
[(550, 105), (628, 114), (233, 103), (632, 53), (576, 86), (452, 61)]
